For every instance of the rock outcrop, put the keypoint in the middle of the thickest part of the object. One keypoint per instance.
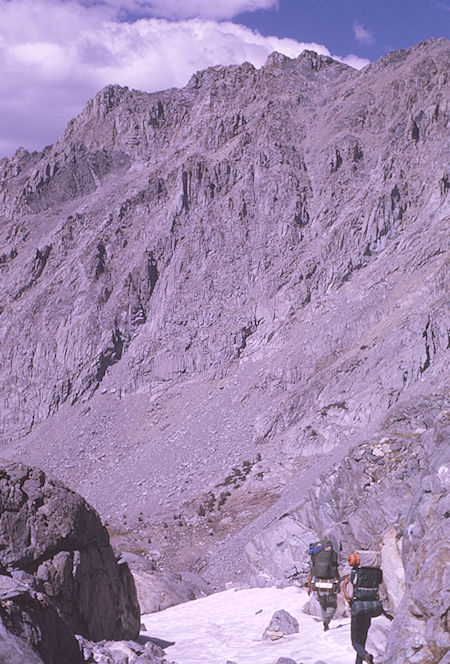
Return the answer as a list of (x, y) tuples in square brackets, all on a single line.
[(32, 629), (124, 652), (420, 630), (393, 494), (51, 538), (157, 590)]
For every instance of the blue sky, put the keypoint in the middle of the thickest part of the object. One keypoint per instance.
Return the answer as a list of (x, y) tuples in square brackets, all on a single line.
[(368, 28), (57, 54)]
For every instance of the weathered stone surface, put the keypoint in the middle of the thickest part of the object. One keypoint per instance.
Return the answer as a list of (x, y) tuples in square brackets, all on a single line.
[(278, 552), (122, 652), (281, 623), (358, 506), (14, 650), (32, 629), (157, 590), (52, 535), (420, 631)]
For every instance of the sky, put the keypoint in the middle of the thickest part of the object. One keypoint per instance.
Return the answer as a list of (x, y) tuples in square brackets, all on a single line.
[(228, 626), (57, 54)]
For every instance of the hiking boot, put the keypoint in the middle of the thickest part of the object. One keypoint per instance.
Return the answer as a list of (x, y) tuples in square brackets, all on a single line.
[(368, 658)]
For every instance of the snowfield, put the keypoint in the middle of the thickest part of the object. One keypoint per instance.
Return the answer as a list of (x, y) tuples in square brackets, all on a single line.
[(229, 626)]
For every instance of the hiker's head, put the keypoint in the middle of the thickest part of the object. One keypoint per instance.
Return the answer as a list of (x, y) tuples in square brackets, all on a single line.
[(353, 560)]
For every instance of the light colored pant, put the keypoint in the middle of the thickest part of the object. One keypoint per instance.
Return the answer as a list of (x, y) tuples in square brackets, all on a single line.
[(328, 604)]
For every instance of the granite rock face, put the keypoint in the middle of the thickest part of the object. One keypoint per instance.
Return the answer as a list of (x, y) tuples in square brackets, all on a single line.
[(256, 194), (391, 494), (52, 539), (157, 590), (32, 629), (420, 630)]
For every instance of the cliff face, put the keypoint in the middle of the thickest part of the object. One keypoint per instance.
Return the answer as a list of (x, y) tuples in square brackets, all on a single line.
[(392, 493), (204, 289), (164, 234)]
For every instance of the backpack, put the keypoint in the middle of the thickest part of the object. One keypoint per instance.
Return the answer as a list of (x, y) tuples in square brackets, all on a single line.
[(371, 608), (323, 560), (365, 581)]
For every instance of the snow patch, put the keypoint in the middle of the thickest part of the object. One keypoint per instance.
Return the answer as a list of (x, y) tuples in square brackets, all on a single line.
[(229, 626)]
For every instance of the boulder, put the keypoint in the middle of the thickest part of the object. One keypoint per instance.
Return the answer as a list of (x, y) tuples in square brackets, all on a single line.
[(157, 590), (52, 537), (282, 623), (143, 651), (312, 607), (32, 630)]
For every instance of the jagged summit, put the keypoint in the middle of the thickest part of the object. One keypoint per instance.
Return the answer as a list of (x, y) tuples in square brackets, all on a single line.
[(234, 78)]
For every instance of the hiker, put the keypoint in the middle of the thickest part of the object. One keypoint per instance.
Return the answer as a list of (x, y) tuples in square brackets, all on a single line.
[(323, 578), (364, 601)]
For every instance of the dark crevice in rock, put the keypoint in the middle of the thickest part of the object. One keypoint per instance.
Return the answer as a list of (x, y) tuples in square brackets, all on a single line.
[(140, 285), (100, 260), (40, 262), (336, 162), (37, 268), (110, 355), (430, 347), (5, 258), (242, 336), (185, 196)]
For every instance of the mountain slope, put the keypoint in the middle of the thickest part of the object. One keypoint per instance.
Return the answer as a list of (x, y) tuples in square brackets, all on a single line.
[(204, 290)]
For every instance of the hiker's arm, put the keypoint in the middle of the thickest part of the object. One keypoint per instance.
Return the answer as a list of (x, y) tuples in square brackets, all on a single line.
[(345, 582)]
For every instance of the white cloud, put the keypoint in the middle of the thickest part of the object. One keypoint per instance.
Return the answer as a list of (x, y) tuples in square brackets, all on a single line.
[(54, 56), (183, 9), (353, 61), (362, 35)]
